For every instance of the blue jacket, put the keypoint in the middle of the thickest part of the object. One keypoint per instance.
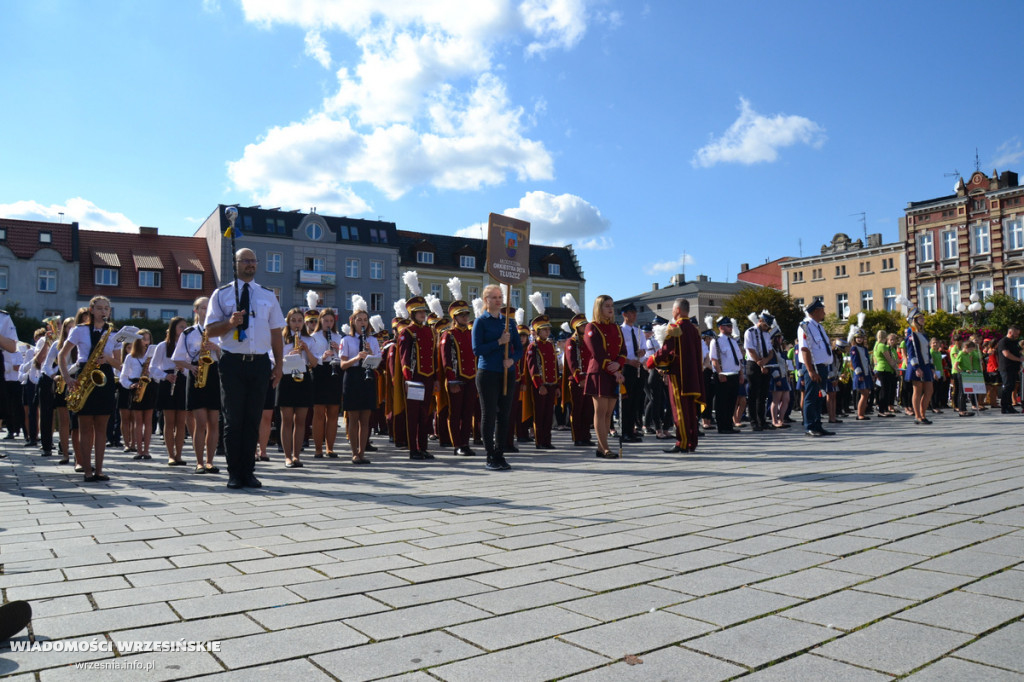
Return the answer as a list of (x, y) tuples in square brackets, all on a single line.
[(487, 329)]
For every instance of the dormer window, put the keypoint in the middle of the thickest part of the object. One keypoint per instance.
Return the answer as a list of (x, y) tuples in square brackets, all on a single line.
[(554, 270), (45, 237), (425, 257), (149, 278), (468, 262)]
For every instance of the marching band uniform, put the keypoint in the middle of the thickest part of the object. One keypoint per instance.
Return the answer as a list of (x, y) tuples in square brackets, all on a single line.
[(417, 356), (812, 336), (326, 375), (710, 380), (47, 396), (725, 358), (172, 382), (459, 364), (758, 345), (132, 369), (542, 369), (7, 331), (863, 371), (187, 349), (918, 356), (12, 392), (605, 344), (681, 358), (577, 358), (395, 388), (522, 403), (440, 403), (83, 337), (632, 399), (360, 390), (297, 391)]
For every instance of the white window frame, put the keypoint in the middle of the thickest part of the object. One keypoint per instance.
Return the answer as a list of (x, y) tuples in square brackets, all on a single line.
[(98, 277), (348, 299), (376, 269), (516, 298), (949, 245), (138, 314), (376, 302), (436, 290), (867, 299), (168, 314), (925, 248), (319, 264), (1015, 287), (275, 261), (474, 292), (45, 237), (928, 300), (889, 299), (983, 287), (4, 277), (554, 269), (47, 274), (314, 232), (157, 280), (951, 296), (843, 306), (545, 296), (352, 268), (980, 239), (191, 277), (467, 262), (425, 257), (1014, 234)]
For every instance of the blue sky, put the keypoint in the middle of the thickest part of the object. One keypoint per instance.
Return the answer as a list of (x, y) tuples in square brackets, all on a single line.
[(636, 131)]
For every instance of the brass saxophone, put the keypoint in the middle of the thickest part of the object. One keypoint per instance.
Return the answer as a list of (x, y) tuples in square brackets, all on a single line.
[(91, 375), (143, 381), (205, 360)]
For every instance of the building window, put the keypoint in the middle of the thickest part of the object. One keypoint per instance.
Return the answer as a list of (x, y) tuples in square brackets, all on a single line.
[(867, 300), (951, 296), (435, 289), (352, 267), (149, 278), (3, 234), (1014, 234), (1016, 288), (274, 261), (798, 301), (376, 269), (191, 280), (383, 236), (816, 274), (840, 271), (107, 277), (925, 249), (981, 241), (842, 306), (554, 269), (889, 299), (314, 232), (353, 233), (376, 302), (468, 262), (277, 226), (247, 223), (978, 205), (515, 298), (949, 251), (425, 257), (983, 288), (373, 235), (545, 296), (798, 276), (3, 278), (865, 267), (888, 264), (47, 281), (45, 237), (474, 292), (138, 313), (316, 264), (167, 314), (928, 298), (348, 299)]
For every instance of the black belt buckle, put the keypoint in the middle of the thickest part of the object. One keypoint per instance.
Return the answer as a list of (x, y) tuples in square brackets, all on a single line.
[(249, 357)]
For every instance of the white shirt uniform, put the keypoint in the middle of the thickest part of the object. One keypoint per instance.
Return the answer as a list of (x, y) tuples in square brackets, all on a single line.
[(318, 346), (131, 368), (265, 316), (81, 338), (188, 346), (812, 335), (162, 366), (758, 341), (728, 353), (633, 339), (50, 363), (350, 346)]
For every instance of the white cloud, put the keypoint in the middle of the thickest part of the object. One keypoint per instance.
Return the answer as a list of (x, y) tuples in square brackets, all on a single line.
[(89, 215), (672, 266), (316, 47), (557, 220), (754, 138), (423, 106), (1009, 153), (211, 6)]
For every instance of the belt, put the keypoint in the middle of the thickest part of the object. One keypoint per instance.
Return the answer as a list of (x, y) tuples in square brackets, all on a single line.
[(246, 357)]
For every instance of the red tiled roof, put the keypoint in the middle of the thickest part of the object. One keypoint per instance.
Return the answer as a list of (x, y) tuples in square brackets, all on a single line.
[(767, 275), (170, 254), (23, 237)]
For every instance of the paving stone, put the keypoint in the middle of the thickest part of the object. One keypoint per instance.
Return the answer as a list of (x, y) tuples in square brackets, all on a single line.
[(1008, 584), (180, 575), (761, 641), (811, 668), (957, 670), (848, 609), (414, 619), (608, 559), (664, 664), (450, 569), (422, 593), (518, 628), (639, 633), (539, 661), (59, 606), (735, 606), (17, 579), (339, 587), (783, 561), (710, 580), (524, 597), (893, 646), (61, 589), (203, 630), (321, 611), (301, 669), (104, 620), (810, 583), (912, 583), (234, 602), (524, 575), (969, 562), (1003, 648), (290, 643), (151, 666), (394, 657), (149, 595), (625, 602), (692, 561)]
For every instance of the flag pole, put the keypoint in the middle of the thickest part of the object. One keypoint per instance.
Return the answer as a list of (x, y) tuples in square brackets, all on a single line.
[(504, 370)]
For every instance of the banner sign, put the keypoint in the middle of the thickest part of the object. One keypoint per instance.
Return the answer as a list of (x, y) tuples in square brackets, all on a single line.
[(974, 383), (508, 249)]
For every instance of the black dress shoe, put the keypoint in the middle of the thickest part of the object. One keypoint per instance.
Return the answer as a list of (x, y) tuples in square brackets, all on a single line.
[(512, 448), (29, 444), (826, 432), (607, 455), (675, 448), (417, 456), (730, 431), (235, 482), (814, 434), (497, 463), (370, 447), (546, 447), (252, 482)]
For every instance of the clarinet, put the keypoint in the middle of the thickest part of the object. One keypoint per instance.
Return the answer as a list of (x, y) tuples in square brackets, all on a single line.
[(334, 360), (368, 373)]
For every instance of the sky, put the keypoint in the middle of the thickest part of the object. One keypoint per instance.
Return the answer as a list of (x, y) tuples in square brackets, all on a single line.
[(656, 138)]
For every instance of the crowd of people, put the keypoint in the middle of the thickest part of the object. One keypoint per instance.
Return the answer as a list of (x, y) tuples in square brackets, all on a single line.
[(474, 374)]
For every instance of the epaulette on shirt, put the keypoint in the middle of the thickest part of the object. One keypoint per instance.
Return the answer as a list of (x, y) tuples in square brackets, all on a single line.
[(264, 288), (226, 286)]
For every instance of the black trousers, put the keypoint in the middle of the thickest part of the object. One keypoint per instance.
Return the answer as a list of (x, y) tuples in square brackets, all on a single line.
[(887, 391), (494, 407), (29, 400), (758, 391), (45, 397), (243, 390), (1009, 377), (15, 414), (725, 401), (656, 397), (710, 390), (632, 401)]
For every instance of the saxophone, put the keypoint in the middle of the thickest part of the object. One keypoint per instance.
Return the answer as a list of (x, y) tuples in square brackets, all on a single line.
[(205, 360), (90, 377), (143, 381)]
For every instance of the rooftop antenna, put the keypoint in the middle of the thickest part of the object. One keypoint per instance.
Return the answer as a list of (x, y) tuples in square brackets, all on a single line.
[(954, 174), (800, 246), (684, 266), (977, 161), (61, 214), (864, 223)]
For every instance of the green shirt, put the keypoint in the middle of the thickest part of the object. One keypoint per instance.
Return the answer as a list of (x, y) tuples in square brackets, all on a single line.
[(967, 361), (881, 364)]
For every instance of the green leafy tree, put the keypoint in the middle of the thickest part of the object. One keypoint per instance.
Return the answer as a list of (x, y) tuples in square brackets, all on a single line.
[(755, 299), (891, 322), (940, 324), (1007, 311)]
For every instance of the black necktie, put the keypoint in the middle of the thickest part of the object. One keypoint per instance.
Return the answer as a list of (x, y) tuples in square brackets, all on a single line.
[(824, 340), (636, 347), (732, 349), (764, 350), (243, 305)]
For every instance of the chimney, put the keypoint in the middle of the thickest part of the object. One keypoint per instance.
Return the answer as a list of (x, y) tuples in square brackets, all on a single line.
[(744, 267), (148, 231), (702, 278), (874, 240), (654, 287), (677, 280)]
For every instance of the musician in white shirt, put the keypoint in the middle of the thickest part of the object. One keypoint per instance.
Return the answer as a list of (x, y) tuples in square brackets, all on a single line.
[(815, 355), (726, 358)]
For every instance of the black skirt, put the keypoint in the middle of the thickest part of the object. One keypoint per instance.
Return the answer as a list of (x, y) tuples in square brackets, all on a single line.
[(102, 399), (326, 386), (291, 393), (124, 397), (207, 397), (359, 392), (175, 401), (149, 398)]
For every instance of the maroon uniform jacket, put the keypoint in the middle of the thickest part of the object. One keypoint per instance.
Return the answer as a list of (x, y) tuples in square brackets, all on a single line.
[(457, 354), (605, 343), (542, 363), (417, 352)]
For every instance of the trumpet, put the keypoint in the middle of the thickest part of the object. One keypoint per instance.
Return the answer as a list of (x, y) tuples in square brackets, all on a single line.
[(53, 326), (297, 376)]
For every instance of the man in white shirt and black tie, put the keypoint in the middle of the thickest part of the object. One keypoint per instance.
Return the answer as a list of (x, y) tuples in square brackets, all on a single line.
[(633, 400), (758, 344), (248, 333), (815, 353), (726, 358)]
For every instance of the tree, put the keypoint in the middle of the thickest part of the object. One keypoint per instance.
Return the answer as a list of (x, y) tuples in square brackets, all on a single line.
[(940, 325), (755, 299), (1007, 311), (890, 322)]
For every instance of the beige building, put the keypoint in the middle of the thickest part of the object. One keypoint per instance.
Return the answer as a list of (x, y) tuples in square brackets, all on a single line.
[(849, 276)]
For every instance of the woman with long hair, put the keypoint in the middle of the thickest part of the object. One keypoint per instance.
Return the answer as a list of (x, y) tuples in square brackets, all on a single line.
[(172, 392), (60, 406), (142, 395), (360, 383), (202, 403), (604, 371), (95, 413), (325, 344), (920, 371), (863, 378), (779, 381), (295, 392)]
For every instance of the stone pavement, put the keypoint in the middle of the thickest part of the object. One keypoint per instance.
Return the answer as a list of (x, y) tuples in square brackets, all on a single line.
[(888, 550)]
